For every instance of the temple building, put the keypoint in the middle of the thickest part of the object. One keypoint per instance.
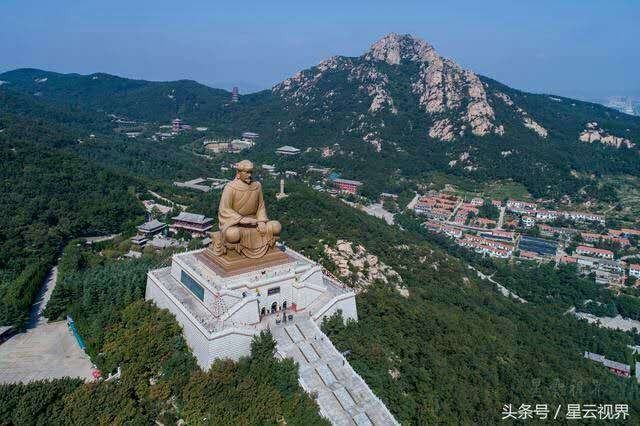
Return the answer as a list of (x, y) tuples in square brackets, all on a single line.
[(196, 224), (151, 228), (287, 150)]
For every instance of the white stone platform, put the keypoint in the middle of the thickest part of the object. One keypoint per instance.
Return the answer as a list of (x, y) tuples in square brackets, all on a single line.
[(221, 314)]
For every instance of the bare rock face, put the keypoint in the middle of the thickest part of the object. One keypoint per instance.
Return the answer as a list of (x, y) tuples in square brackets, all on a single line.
[(393, 47), (361, 267), (373, 83), (527, 121), (442, 129), (441, 87), (594, 133)]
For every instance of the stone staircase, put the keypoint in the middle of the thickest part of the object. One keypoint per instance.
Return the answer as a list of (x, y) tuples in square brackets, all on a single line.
[(344, 398)]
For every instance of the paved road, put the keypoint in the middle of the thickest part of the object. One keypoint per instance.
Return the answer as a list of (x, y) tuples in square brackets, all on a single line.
[(501, 218), (413, 202), (100, 238), (377, 210), (46, 350), (344, 398)]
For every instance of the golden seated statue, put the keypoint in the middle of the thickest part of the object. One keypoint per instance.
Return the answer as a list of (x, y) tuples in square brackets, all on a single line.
[(246, 238)]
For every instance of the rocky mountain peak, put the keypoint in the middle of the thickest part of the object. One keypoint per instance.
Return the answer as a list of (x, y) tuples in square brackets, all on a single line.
[(393, 48), (453, 101)]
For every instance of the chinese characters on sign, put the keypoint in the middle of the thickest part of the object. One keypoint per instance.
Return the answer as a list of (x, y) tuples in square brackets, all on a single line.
[(568, 412)]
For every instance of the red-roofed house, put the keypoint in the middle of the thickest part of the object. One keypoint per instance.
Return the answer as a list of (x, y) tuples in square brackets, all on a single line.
[(594, 252), (634, 270), (627, 232)]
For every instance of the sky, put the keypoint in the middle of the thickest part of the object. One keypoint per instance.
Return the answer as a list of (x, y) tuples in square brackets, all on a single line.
[(586, 49)]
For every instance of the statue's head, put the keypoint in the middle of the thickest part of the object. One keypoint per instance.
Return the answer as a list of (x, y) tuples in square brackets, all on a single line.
[(244, 170)]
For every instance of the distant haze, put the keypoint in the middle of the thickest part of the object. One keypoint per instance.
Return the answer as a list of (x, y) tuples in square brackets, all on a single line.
[(585, 49)]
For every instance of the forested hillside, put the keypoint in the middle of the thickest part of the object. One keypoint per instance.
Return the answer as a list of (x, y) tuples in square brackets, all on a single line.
[(49, 195), (400, 108), (420, 354)]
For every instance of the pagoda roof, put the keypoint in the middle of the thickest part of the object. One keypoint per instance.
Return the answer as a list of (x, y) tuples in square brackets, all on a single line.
[(192, 217), (151, 225)]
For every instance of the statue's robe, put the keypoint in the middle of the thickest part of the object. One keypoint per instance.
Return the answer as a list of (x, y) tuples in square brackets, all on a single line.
[(245, 200)]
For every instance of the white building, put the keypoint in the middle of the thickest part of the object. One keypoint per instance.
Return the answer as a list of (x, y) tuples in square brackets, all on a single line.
[(220, 314), (528, 221), (287, 150), (634, 270)]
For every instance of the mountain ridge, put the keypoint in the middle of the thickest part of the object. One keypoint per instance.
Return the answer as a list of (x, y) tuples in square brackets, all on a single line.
[(399, 107)]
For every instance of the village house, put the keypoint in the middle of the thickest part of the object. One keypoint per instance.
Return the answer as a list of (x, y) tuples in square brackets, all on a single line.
[(617, 368), (450, 231), (497, 234), (568, 259), (594, 252), (439, 214), (518, 206), (546, 230), (469, 208), (346, 185), (626, 232), (634, 270), (594, 238), (583, 216), (547, 215), (529, 255), (486, 246), (485, 249)]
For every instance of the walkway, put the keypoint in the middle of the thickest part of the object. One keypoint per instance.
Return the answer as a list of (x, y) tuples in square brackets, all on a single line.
[(344, 398), (100, 238), (44, 294), (503, 290), (46, 350), (413, 202), (501, 218), (166, 200)]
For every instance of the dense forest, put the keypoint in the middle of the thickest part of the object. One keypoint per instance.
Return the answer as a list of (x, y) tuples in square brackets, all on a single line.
[(48, 197)]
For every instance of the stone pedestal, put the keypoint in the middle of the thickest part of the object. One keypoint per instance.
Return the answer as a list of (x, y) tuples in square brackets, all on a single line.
[(234, 263)]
